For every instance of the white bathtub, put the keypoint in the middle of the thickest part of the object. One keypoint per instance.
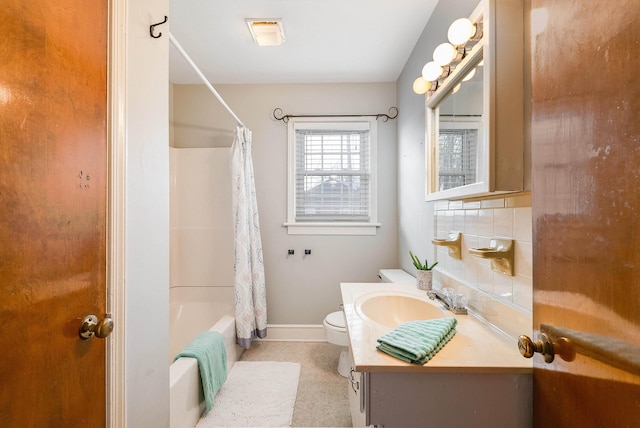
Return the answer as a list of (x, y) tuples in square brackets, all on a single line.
[(188, 319)]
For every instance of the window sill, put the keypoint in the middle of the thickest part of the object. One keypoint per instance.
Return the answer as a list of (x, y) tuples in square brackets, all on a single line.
[(361, 229)]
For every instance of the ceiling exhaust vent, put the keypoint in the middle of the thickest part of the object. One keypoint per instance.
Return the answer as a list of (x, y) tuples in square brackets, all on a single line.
[(266, 32)]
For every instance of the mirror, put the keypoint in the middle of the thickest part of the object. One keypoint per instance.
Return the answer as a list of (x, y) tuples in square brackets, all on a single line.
[(460, 131)]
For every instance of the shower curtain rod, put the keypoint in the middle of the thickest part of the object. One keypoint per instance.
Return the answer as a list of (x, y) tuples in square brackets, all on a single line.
[(204, 79)]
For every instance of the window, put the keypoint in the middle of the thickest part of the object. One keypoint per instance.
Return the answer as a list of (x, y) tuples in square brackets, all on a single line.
[(457, 158), (332, 182), (457, 154)]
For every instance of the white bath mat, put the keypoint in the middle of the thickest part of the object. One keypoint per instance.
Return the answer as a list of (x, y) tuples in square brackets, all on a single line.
[(256, 394)]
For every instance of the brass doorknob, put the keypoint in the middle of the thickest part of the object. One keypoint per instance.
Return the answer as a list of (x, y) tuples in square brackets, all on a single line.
[(543, 346), (91, 326)]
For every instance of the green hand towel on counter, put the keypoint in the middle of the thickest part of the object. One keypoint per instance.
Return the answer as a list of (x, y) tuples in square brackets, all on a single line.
[(208, 348), (418, 341)]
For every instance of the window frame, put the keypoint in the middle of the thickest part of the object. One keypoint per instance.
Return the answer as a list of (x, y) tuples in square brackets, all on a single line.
[(332, 227)]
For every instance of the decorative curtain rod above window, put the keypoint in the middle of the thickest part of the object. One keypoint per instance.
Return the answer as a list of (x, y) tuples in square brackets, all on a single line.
[(393, 113)]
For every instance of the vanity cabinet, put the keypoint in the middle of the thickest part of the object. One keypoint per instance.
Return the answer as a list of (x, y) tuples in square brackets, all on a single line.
[(475, 118), (356, 399), (442, 399), (479, 379)]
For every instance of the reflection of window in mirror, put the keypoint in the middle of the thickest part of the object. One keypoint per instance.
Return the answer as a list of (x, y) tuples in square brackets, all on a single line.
[(460, 133), (458, 154)]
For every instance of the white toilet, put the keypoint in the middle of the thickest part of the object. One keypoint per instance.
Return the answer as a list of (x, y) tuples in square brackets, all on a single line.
[(335, 331)]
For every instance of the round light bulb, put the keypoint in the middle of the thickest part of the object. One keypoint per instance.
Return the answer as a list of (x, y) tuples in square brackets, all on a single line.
[(431, 71), (460, 31), (469, 75), (456, 88), (444, 54), (421, 86)]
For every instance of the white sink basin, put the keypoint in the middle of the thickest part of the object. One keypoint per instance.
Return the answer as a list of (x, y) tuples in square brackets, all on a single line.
[(392, 309)]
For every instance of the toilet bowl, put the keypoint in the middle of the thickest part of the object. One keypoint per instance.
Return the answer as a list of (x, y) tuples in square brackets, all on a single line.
[(335, 331)]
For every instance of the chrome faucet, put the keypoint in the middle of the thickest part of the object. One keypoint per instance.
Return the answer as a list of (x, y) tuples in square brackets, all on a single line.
[(454, 303)]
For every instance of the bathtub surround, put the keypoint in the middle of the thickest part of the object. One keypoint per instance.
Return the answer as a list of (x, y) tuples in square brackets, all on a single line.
[(249, 280), (201, 223)]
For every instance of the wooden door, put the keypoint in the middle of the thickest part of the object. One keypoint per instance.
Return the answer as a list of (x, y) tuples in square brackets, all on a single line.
[(53, 87), (586, 210)]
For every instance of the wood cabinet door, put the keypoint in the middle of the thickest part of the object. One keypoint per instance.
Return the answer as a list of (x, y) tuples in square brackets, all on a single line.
[(586, 211), (53, 165)]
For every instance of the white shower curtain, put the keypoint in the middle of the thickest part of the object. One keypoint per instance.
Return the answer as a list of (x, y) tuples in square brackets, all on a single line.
[(250, 289)]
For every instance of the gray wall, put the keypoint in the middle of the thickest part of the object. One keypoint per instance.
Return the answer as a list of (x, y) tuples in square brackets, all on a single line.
[(300, 289), (415, 216)]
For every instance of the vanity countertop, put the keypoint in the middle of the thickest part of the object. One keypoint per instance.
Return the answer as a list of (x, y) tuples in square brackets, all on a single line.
[(477, 347)]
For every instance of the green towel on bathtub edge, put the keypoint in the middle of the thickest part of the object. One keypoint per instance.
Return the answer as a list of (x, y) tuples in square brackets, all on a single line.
[(418, 341), (208, 348)]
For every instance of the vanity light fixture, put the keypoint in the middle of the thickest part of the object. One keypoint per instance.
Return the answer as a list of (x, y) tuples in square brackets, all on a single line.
[(462, 35), (461, 31), (421, 85), (431, 71), (266, 32), (444, 54)]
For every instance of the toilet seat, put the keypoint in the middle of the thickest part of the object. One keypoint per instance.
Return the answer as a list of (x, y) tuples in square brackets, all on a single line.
[(336, 319), (335, 330)]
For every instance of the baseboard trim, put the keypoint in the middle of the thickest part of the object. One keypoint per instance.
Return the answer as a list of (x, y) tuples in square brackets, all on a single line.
[(295, 333)]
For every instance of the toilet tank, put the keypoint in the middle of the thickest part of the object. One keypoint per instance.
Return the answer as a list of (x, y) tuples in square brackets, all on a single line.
[(396, 275)]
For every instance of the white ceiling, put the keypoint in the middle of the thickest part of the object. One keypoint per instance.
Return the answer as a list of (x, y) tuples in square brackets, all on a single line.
[(326, 40)]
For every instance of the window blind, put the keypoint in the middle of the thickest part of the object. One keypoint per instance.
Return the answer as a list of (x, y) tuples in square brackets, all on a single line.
[(332, 175), (456, 158)]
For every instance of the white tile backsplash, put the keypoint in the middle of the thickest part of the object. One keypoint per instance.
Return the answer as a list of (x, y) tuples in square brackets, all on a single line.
[(479, 221), (440, 223), (471, 273), (458, 220), (523, 229), (522, 292), (485, 278), (471, 222), (485, 222), (449, 221), (492, 203), (503, 286), (503, 222)]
